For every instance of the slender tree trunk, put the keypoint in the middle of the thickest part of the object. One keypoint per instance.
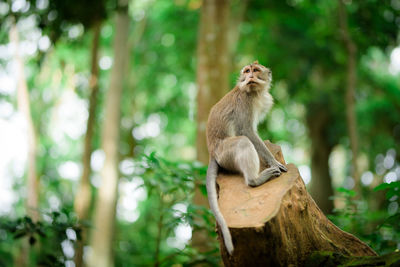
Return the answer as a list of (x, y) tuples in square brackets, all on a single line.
[(351, 78), (236, 19), (31, 203), (212, 80), (159, 233), (133, 42), (24, 108), (103, 230), (321, 183), (84, 195)]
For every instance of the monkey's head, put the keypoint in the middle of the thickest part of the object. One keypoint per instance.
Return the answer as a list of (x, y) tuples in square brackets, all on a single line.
[(254, 77)]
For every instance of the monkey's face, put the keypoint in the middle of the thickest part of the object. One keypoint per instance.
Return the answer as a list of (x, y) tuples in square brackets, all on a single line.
[(254, 77)]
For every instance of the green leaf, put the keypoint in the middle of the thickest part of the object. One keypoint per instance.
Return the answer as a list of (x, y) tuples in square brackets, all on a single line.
[(391, 193), (346, 191), (203, 190), (41, 232), (393, 220), (20, 233), (384, 186)]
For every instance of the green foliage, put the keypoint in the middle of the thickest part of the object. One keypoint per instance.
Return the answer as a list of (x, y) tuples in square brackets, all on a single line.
[(393, 197), (394, 189), (380, 229), (44, 238), (154, 238)]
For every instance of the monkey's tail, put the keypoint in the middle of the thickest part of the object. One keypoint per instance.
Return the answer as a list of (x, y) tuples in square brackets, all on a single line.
[(211, 184)]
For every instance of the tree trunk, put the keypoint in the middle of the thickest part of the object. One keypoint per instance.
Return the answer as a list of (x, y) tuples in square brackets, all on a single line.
[(25, 109), (103, 229), (212, 66), (212, 81), (278, 223), (240, 8), (351, 78), (84, 194), (329, 258), (31, 203), (321, 183), (133, 42)]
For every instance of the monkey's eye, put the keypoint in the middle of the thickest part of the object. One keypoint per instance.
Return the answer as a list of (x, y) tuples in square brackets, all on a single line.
[(247, 71), (255, 70)]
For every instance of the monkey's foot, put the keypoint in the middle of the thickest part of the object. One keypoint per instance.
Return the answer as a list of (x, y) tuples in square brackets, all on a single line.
[(264, 176), (280, 166)]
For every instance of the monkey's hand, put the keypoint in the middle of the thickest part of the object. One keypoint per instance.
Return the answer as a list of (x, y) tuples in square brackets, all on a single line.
[(279, 165)]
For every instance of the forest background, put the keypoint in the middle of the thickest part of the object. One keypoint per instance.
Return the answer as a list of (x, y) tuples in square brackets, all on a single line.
[(103, 107)]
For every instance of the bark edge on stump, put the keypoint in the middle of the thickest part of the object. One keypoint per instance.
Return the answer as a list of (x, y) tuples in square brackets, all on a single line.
[(278, 223)]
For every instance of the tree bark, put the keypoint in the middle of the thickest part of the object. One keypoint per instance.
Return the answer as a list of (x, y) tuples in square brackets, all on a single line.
[(212, 81), (84, 194), (236, 19), (329, 258), (25, 109), (321, 183), (278, 223), (103, 230), (351, 80)]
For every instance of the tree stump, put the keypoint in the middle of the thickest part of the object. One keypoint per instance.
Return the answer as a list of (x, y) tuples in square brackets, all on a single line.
[(278, 223)]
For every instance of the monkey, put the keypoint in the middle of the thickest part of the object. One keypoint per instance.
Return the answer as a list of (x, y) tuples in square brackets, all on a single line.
[(232, 139)]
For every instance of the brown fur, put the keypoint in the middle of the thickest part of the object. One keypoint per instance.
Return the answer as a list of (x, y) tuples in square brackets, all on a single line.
[(232, 139)]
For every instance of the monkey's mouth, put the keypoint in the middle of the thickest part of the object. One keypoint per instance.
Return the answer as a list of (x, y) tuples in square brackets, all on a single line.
[(252, 82)]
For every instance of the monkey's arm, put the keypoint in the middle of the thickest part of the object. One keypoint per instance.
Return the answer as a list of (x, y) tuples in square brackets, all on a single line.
[(263, 152)]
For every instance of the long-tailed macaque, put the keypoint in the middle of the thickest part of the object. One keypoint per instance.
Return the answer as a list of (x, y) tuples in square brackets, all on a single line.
[(232, 139)]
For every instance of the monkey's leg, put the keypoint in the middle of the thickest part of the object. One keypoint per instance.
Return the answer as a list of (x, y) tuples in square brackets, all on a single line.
[(237, 153), (264, 152)]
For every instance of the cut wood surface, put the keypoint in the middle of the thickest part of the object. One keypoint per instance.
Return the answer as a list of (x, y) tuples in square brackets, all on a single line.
[(278, 223)]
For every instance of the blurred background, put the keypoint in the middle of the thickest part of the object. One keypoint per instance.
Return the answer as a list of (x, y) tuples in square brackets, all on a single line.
[(103, 106)]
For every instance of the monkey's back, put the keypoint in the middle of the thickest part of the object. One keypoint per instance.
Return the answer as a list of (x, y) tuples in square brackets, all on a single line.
[(221, 120)]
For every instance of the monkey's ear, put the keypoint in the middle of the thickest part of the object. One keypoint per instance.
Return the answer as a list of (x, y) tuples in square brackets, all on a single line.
[(256, 62)]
